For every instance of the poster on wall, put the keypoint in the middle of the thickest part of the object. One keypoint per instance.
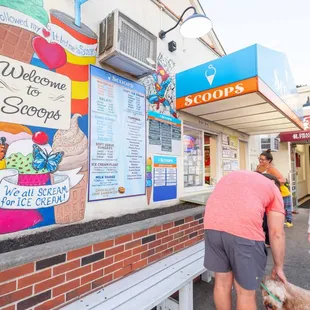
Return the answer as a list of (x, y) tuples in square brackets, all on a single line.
[(164, 127), (230, 146), (117, 153), (164, 134), (233, 142), (226, 165), (234, 165), (44, 114), (165, 178), (225, 139), (226, 152)]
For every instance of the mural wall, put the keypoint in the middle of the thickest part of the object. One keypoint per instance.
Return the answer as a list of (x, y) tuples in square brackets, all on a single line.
[(44, 58)]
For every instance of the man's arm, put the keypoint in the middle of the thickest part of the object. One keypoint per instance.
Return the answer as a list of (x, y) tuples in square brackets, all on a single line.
[(277, 241)]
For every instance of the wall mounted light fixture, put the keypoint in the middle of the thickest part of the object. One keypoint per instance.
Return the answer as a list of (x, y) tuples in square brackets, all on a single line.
[(195, 26)]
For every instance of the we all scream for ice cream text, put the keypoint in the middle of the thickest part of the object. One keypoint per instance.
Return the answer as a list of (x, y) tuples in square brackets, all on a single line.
[(25, 199)]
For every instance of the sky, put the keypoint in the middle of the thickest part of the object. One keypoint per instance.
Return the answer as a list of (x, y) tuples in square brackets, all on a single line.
[(280, 25)]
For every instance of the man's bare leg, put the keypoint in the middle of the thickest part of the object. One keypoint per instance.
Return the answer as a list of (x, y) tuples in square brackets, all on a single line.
[(222, 290), (246, 300)]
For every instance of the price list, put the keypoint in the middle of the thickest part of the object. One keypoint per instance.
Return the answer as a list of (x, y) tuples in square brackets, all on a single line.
[(164, 133), (117, 137)]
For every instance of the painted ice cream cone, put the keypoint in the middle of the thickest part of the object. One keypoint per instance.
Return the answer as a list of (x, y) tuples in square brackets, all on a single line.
[(73, 143), (74, 209), (16, 42), (148, 194), (149, 185)]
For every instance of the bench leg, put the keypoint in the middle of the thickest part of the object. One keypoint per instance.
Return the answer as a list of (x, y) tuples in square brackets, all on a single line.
[(186, 301), (207, 276)]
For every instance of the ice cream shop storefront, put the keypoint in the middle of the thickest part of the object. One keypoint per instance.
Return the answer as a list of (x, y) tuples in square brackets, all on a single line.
[(95, 164), (223, 102)]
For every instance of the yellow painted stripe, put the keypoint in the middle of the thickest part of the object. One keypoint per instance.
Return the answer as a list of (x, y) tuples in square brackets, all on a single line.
[(80, 60), (79, 90)]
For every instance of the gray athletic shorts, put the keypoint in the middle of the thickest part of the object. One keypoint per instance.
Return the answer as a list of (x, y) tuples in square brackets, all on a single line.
[(245, 258)]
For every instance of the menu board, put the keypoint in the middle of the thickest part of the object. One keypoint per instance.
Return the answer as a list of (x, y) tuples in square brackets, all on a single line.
[(164, 134), (165, 178), (117, 135)]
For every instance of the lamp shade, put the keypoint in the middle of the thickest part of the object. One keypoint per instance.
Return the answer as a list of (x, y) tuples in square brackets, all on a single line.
[(196, 26)]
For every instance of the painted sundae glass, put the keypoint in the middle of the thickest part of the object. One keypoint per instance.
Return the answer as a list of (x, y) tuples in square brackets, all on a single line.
[(33, 159), (76, 67)]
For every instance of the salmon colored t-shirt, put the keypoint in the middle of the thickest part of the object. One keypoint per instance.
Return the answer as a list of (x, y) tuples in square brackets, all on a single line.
[(238, 203)]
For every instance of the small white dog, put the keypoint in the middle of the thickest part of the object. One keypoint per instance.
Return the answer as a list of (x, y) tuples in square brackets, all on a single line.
[(278, 296)]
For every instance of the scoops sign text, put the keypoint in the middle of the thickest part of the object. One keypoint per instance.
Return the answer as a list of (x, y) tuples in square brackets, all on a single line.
[(219, 93)]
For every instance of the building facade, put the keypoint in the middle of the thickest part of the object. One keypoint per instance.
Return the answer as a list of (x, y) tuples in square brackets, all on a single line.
[(106, 129)]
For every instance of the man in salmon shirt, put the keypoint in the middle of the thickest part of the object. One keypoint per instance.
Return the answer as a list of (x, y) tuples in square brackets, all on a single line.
[(234, 237)]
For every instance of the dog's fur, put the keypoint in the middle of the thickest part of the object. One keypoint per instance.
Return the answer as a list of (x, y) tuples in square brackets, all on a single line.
[(292, 297)]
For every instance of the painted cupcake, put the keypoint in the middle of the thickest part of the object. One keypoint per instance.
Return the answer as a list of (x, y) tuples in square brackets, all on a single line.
[(33, 159)]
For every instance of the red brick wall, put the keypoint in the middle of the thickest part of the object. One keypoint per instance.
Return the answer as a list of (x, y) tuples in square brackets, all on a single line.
[(57, 280)]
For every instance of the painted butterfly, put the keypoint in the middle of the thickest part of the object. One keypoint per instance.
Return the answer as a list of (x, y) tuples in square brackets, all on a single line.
[(44, 160)]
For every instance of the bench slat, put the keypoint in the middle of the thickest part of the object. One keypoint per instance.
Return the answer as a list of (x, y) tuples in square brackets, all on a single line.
[(153, 295)]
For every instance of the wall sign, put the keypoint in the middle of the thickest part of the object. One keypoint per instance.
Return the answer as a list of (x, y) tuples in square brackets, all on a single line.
[(230, 146), (117, 152), (165, 178), (33, 96), (292, 136), (164, 134)]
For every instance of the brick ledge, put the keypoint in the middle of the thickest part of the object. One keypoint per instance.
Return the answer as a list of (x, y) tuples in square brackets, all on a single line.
[(35, 253)]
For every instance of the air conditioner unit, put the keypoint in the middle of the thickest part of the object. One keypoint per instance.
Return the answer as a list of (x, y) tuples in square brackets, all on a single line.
[(269, 143), (126, 46)]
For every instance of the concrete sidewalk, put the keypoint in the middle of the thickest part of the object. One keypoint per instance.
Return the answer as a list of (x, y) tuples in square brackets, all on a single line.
[(297, 264)]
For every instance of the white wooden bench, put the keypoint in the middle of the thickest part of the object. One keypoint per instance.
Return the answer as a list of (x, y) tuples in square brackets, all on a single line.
[(151, 286)]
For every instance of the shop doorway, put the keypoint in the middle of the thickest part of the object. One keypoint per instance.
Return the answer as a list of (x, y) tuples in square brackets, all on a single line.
[(243, 146), (199, 158), (210, 159)]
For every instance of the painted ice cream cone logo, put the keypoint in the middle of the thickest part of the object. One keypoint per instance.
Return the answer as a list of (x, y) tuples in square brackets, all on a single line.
[(210, 74)]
